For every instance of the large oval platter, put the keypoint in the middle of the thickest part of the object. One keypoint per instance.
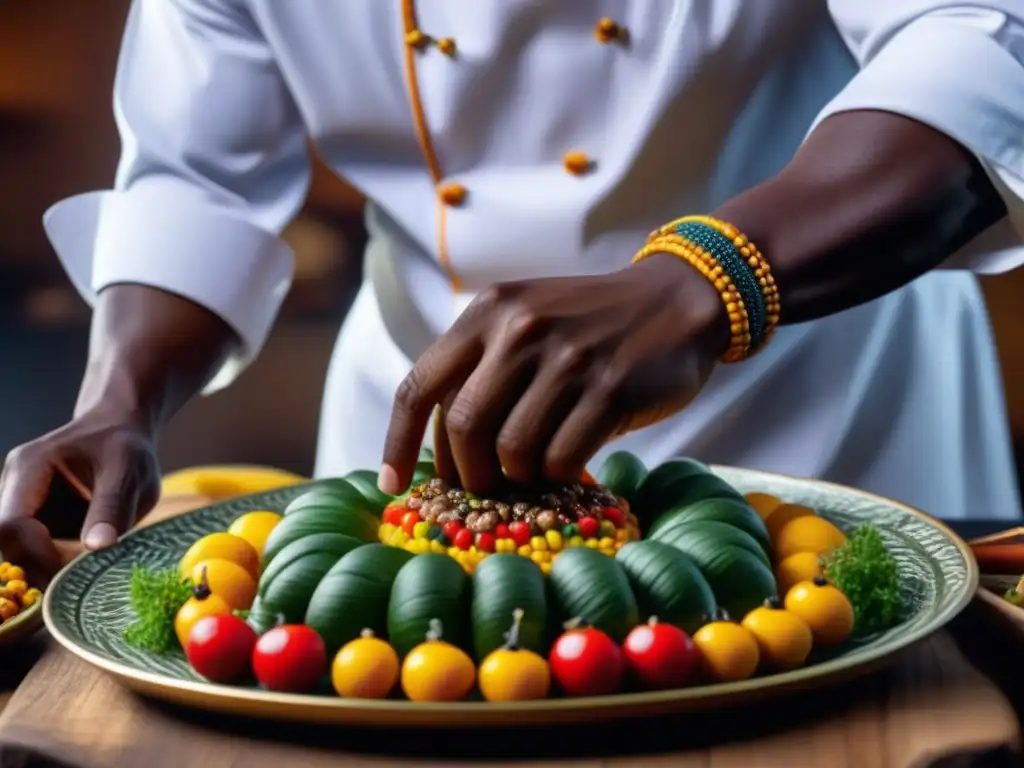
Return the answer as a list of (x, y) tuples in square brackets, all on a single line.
[(86, 609)]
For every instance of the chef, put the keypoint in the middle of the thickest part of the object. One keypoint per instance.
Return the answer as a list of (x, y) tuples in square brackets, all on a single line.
[(743, 231)]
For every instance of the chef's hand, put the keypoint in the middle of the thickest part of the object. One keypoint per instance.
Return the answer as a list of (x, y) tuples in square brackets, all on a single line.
[(535, 376), (111, 454)]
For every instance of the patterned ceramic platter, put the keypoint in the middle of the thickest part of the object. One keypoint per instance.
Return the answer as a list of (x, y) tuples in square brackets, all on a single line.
[(86, 608)]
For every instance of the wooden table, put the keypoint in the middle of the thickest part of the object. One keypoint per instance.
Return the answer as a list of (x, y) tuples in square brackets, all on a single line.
[(930, 704)]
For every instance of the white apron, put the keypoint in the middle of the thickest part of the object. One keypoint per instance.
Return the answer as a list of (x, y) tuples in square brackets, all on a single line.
[(214, 101)]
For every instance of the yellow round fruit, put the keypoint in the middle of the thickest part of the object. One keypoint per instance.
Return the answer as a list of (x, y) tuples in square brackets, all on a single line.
[(365, 668), (783, 638), (437, 671), (807, 534), (782, 515), (255, 527), (763, 503), (511, 673), (227, 579), (728, 650), (197, 607), (221, 546), (801, 566), (827, 611)]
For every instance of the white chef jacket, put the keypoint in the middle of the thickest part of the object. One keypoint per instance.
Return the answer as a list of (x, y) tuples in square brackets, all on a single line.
[(214, 99)]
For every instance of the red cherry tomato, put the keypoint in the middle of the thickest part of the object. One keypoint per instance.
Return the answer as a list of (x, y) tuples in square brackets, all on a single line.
[(220, 647), (586, 662), (393, 515), (485, 542), (409, 520), (451, 529), (289, 658), (463, 539), (520, 532), (613, 515), (660, 655), (588, 527), (501, 531)]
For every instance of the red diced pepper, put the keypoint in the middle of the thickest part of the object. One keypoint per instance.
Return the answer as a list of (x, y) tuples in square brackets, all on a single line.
[(520, 532), (485, 542), (463, 539), (409, 521), (501, 531), (613, 515), (588, 527)]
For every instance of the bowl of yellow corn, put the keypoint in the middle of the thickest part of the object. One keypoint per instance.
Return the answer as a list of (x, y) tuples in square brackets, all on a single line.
[(20, 604)]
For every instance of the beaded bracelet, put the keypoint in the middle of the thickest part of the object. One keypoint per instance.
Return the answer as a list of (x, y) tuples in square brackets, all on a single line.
[(735, 267)]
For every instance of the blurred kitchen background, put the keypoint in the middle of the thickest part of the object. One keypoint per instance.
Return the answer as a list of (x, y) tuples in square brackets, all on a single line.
[(57, 138)]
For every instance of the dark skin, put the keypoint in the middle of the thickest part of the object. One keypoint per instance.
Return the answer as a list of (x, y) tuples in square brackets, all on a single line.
[(871, 201)]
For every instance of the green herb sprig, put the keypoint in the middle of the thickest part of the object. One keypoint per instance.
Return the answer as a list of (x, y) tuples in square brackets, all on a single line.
[(155, 598), (864, 571)]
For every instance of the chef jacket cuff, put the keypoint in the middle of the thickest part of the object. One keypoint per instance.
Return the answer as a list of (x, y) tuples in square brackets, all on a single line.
[(958, 80), (170, 237)]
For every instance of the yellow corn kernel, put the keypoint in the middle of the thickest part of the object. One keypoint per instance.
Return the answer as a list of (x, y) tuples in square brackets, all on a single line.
[(545, 568), (622, 535), (31, 597), (526, 550), (506, 546), (454, 552), (472, 550), (592, 543), (541, 556), (609, 552), (437, 547), (8, 608), (576, 541), (417, 546), (605, 543), (554, 539), (539, 543)]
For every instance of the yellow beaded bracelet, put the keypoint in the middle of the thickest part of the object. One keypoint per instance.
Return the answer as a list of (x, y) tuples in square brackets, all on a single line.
[(739, 259), (707, 265)]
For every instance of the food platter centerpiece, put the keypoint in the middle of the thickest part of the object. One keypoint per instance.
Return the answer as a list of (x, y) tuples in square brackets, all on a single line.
[(632, 593)]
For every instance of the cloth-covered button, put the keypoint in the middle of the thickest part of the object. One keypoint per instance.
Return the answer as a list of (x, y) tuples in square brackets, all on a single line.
[(416, 39), (608, 31), (577, 163), (452, 194), (446, 45)]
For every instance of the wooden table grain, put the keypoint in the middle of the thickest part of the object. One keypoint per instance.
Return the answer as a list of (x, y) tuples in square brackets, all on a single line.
[(931, 707)]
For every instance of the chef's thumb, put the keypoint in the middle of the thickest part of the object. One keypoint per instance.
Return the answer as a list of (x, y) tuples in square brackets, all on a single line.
[(114, 503)]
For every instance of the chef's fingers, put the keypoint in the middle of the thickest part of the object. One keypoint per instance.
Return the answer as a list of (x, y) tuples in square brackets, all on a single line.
[(474, 418), (27, 542), (115, 498), (444, 461), (586, 429), (440, 370), (536, 418), (25, 483)]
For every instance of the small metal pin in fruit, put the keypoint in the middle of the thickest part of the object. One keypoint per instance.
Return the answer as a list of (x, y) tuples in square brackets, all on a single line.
[(784, 639), (511, 673), (365, 668), (827, 611), (202, 603), (220, 647), (660, 655), (437, 671), (585, 661), (728, 650), (289, 658)]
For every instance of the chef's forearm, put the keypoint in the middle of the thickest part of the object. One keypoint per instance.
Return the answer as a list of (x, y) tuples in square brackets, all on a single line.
[(149, 352), (871, 201)]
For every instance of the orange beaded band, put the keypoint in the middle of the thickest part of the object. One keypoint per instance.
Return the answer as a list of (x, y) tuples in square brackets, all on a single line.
[(707, 265), (722, 249), (749, 251)]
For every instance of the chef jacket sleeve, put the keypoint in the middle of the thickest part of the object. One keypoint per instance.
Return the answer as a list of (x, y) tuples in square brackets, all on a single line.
[(960, 69), (214, 164)]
